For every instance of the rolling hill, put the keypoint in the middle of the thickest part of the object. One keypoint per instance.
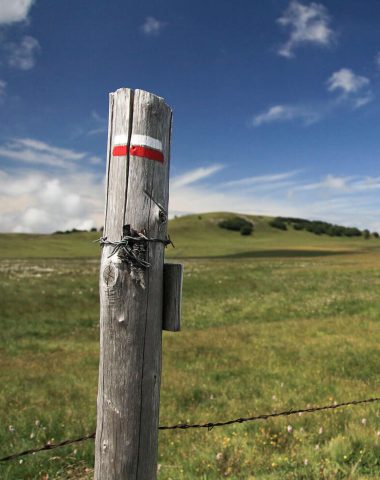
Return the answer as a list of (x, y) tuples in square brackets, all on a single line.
[(195, 236)]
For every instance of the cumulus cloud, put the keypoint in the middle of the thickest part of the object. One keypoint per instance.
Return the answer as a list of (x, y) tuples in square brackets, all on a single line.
[(152, 26), (308, 24), (28, 150), (283, 113), (354, 88), (45, 188), (41, 202), (35, 201), (12, 11), (23, 55), (346, 81), (354, 91)]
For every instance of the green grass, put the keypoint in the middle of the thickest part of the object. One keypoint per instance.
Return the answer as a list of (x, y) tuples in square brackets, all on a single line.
[(274, 321)]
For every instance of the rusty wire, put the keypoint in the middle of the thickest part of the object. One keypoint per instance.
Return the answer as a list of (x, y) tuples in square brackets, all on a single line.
[(209, 425)]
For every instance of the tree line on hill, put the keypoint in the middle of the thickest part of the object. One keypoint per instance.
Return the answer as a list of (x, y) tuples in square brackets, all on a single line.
[(76, 230), (319, 227), (238, 224)]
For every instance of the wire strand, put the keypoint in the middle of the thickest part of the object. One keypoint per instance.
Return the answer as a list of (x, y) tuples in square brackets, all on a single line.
[(209, 425)]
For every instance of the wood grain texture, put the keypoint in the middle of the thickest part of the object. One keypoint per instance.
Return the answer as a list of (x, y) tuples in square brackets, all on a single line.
[(173, 273), (131, 298)]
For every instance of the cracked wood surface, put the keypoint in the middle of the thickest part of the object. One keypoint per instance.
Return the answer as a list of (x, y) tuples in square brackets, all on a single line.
[(131, 298)]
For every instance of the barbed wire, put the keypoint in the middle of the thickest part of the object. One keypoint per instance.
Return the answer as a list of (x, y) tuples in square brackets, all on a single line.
[(47, 446), (209, 425)]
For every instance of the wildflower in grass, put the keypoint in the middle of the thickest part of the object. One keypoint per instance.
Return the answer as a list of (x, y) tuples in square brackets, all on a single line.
[(21, 461), (306, 461), (219, 456), (364, 421), (11, 428), (228, 471), (37, 423), (289, 428)]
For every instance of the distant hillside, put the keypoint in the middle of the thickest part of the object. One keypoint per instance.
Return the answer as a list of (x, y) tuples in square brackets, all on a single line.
[(319, 227), (198, 236)]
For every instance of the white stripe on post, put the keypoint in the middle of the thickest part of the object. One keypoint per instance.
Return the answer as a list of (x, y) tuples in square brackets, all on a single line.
[(120, 139), (146, 141)]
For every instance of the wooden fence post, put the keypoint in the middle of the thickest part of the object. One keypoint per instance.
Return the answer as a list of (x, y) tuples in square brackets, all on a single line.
[(131, 286)]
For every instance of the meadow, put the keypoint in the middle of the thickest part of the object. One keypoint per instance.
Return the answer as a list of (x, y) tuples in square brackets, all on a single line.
[(276, 320)]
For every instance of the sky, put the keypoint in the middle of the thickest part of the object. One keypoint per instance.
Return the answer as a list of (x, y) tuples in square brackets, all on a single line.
[(276, 105)]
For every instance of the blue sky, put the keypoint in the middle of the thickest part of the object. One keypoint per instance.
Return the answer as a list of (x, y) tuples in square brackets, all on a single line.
[(276, 105)]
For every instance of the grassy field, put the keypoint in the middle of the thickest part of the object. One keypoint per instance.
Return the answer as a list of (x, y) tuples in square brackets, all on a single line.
[(273, 321)]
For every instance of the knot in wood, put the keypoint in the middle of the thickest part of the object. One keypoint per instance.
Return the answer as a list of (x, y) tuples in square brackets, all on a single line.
[(110, 274)]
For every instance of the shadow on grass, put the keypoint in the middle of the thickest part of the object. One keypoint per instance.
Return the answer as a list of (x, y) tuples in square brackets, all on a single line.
[(296, 253)]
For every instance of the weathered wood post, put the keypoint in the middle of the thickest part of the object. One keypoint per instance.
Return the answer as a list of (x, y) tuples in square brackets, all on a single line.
[(131, 286)]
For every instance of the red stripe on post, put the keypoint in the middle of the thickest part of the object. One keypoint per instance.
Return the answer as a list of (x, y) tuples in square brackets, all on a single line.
[(120, 150), (149, 153)]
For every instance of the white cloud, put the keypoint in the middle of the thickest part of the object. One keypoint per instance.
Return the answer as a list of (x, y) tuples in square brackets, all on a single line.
[(346, 81), (195, 175), (27, 150), (308, 24), (12, 11), (33, 201), (64, 196), (22, 55), (354, 89), (18, 186), (262, 179), (41, 202), (330, 198), (330, 182), (355, 92), (100, 124), (282, 113), (152, 26), (334, 183), (361, 101)]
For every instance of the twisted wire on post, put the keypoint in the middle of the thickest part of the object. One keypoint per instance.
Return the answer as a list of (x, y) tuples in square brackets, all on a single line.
[(209, 425), (125, 247)]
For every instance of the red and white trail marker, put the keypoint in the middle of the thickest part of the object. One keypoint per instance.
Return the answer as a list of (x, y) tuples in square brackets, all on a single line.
[(141, 146)]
